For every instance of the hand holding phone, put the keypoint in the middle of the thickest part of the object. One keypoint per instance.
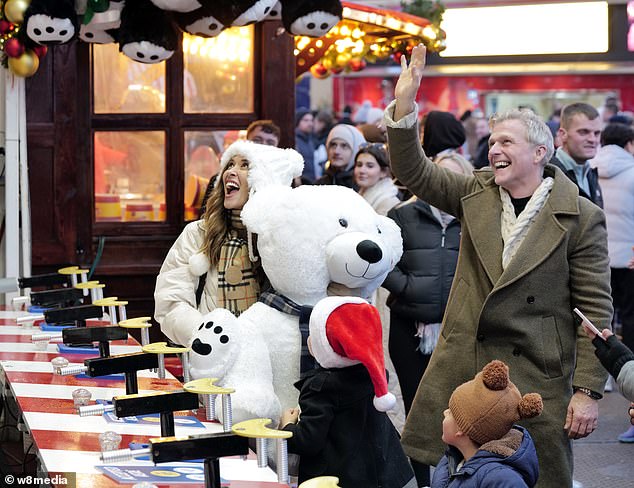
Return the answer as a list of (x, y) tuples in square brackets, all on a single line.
[(587, 324)]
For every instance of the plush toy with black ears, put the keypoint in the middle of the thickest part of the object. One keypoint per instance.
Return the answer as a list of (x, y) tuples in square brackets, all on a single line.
[(312, 18), (100, 27), (276, 12), (207, 21), (251, 11), (147, 34), (51, 21), (178, 5)]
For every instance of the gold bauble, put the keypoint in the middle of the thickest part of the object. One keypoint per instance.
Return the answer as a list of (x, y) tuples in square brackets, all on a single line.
[(14, 10), (26, 65), (343, 58)]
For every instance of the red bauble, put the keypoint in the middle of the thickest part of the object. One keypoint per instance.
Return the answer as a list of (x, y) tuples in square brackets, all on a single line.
[(319, 71), (40, 51), (336, 69), (13, 48), (357, 64), (397, 56), (5, 26)]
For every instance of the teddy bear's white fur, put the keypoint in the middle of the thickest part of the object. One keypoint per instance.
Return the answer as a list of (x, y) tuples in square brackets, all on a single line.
[(307, 237)]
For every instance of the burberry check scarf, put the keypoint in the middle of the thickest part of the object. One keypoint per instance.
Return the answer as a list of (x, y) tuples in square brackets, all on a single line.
[(238, 285), (286, 305)]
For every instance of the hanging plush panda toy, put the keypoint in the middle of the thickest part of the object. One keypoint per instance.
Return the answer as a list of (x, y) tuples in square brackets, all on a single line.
[(216, 15), (50, 22), (100, 27), (207, 21), (312, 18), (147, 34), (178, 5), (250, 11)]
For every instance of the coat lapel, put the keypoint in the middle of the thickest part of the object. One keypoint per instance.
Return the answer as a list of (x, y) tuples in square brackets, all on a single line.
[(485, 233), (546, 231)]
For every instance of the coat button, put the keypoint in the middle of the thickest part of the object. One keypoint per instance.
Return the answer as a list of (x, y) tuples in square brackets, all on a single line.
[(530, 299), (516, 351), (480, 337)]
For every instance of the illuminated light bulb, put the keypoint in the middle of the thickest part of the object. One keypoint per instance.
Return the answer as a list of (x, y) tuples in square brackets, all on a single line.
[(429, 32), (296, 52), (345, 30), (357, 33), (319, 43)]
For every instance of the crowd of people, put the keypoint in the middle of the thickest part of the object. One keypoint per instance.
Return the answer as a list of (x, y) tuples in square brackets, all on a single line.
[(503, 236)]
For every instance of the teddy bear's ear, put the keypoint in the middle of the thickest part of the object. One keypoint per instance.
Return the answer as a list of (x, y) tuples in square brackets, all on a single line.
[(391, 234), (256, 213)]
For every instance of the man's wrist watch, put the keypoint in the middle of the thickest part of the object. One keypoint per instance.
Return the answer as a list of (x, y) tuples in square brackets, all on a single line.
[(587, 391)]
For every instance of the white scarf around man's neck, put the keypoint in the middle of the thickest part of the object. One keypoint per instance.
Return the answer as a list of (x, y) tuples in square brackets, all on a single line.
[(514, 229)]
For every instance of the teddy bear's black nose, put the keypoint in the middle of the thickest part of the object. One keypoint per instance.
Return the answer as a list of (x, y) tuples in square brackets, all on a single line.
[(370, 251)]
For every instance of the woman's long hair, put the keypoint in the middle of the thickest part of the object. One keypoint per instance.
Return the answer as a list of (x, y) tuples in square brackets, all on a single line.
[(215, 222)]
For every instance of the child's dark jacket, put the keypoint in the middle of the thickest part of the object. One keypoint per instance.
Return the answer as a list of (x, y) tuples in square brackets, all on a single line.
[(509, 462), (340, 433)]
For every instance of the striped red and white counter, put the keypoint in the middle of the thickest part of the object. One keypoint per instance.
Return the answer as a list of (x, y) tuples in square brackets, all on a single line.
[(66, 443)]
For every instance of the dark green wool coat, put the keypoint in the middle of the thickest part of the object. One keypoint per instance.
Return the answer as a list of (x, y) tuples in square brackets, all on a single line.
[(521, 315)]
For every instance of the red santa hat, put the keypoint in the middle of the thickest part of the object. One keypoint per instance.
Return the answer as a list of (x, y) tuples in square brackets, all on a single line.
[(345, 331)]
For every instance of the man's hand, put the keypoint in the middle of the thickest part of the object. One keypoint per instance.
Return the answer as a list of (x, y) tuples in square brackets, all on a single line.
[(289, 416), (409, 82), (582, 417), (631, 411)]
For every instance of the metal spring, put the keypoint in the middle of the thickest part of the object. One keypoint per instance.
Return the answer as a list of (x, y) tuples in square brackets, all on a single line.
[(76, 369), (45, 337), (261, 451), (161, 367), (185, 363), (97, 409), (227, 413), (123, 454), (28, 318), (282, 461), (210, 404)]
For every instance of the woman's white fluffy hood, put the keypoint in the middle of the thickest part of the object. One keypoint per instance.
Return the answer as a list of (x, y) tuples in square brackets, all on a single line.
[(268, 165)]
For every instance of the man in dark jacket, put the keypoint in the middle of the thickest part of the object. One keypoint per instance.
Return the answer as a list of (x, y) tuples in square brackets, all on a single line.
[(579, 132), (305, 141)]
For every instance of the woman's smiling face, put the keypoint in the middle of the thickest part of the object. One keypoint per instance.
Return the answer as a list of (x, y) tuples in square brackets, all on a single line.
[(234, 181)]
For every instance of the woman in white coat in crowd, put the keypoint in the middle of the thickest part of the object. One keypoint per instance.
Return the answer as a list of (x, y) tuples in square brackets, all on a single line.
[(212, 262)]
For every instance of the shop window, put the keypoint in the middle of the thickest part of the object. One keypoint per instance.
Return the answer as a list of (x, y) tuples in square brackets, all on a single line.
[(129, 176), (203, 151), (160, 129), (125, 86), (218, 74)]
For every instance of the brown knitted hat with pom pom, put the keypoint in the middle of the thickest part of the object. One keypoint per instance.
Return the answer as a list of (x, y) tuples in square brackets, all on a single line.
[(486, 407)]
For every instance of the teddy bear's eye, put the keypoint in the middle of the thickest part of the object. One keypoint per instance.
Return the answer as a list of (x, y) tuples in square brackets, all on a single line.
[(378, 230), (343, 222)]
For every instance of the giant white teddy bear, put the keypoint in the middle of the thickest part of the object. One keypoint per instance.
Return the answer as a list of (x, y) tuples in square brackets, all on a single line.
[(308, 238)]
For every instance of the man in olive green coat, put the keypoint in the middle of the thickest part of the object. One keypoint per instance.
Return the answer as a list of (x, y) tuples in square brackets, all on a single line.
[(531, 251)]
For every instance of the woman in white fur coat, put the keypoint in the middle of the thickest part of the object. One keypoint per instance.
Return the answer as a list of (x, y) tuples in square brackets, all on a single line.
[(212, 263)]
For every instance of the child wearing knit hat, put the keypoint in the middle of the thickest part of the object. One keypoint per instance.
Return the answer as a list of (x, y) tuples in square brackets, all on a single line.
[(343, 430), (485, 447)]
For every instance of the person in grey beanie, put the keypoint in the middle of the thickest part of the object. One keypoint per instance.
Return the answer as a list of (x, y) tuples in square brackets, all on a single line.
[(342, 145)]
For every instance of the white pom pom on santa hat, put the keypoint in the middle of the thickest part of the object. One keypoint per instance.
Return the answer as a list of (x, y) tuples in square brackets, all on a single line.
[(345, 331), (199, 264)]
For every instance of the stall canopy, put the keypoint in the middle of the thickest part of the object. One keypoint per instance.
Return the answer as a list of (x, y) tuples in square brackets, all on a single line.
[(365, 35)]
